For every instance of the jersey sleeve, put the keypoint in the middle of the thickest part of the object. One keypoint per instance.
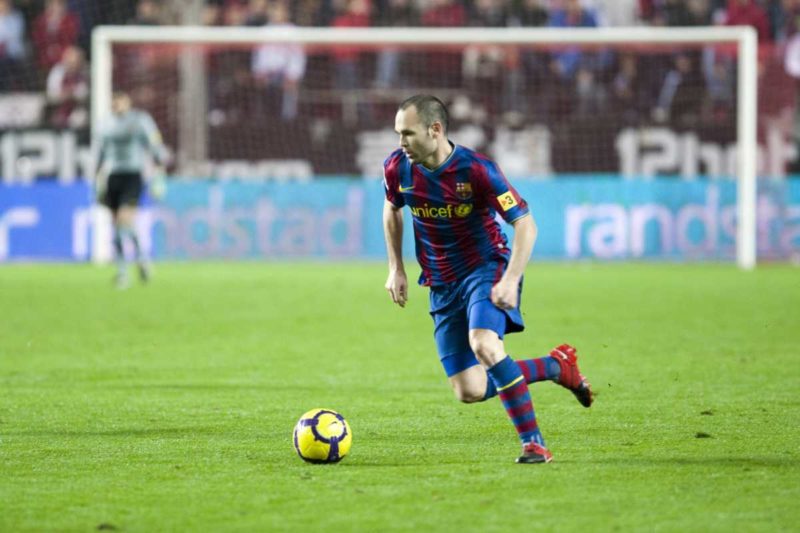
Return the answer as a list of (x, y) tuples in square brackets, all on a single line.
[(391, 180), (499, 193), (153, 138), (102, 148), (103, 145)]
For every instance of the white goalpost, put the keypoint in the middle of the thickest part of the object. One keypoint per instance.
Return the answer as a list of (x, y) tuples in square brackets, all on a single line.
[(191, 75)]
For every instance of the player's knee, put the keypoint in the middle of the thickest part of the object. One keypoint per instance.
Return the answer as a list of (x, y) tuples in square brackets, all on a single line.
[(485, 348), (126, 216), (123, 223)]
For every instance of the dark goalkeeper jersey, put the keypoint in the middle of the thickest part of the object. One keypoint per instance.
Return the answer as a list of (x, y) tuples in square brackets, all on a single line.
[(454, 208)]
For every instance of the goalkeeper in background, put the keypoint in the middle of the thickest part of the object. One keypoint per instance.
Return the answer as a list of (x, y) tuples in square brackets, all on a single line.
[(127, 138)]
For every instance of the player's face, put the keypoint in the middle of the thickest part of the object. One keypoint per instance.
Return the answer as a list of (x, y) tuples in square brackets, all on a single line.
[(417, 141), (120, 104)]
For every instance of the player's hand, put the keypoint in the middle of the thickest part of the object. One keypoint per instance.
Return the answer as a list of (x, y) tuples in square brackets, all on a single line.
[(505, 293), (397, 285)]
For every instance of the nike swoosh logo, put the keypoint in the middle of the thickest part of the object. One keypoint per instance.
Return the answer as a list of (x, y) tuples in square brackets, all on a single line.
[(406, 189)]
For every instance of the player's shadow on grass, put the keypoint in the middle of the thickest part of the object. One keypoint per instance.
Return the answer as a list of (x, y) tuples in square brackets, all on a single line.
[(169, 432)]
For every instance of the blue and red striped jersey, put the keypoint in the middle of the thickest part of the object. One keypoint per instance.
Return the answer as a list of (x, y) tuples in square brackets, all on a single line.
[(454, 208)]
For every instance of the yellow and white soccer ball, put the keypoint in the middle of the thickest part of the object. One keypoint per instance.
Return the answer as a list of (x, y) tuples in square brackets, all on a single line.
[(322, 436)]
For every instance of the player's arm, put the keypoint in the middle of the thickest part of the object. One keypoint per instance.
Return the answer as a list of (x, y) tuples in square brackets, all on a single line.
[(505, 291), (397, 282), (507, 202), (158, 150), (100, 176), (153, 139)]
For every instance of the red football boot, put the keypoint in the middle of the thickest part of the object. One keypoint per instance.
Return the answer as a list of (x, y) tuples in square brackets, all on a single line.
[(534, 453), (571, 377)]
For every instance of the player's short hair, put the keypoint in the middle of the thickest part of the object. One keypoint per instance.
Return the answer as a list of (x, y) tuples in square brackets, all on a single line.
[(429, 108)]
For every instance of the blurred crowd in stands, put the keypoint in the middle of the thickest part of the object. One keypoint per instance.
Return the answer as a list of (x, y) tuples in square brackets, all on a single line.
[(44, 46)]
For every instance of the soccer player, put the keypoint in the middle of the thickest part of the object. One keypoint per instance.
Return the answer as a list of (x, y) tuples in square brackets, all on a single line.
[(475, 278), (126, 139)]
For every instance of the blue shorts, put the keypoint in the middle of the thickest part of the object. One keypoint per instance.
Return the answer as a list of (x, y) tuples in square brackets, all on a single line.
[(466, 304)]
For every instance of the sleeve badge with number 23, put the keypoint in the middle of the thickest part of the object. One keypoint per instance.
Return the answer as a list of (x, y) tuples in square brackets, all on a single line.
[(507, 201)]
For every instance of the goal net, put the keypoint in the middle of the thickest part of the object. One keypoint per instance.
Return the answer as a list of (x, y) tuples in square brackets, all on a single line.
[(575, 111)]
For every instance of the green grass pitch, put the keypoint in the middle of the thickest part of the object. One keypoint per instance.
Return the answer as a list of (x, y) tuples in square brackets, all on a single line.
[(170, 407)]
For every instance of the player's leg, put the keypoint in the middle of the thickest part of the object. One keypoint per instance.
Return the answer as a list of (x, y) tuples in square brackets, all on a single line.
[(451, 333), (129, 201), (128, 231), (122, 233), (535, 370), (508, 380), (469, 385), (467, 378), (126, 218), (473, 385), (121, 280), (487, 326), (561, 367), (459, 340), (112, 199)]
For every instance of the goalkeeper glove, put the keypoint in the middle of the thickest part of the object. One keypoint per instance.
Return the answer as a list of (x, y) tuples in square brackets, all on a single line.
[(158, 185)]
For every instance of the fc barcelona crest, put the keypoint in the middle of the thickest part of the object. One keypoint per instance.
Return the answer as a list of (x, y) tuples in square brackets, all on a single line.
[(464, 190)]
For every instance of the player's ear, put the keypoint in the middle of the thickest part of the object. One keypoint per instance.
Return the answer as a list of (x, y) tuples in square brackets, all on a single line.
[(436, 127)]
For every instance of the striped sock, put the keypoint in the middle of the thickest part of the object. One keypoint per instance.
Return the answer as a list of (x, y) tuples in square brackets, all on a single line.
[(541, 369), (513, 392)]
